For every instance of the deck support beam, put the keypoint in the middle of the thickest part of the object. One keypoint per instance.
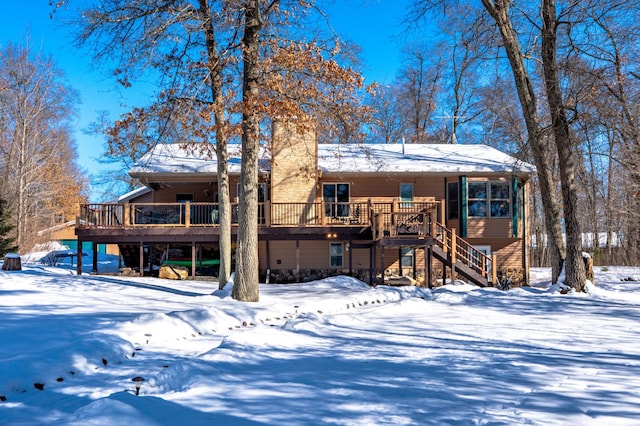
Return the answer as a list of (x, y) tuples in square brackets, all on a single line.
[(193, 260), (141, 253), (298, 260), (94, 248), (79, 263), (428, 263)]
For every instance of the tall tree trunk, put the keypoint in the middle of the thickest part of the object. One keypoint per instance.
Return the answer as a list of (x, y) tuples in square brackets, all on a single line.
[(499, 11), (224, 209), (567, 154), (215, 68), (246, 284)]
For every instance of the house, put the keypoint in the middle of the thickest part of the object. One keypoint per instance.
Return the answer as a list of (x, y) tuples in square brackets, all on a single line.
[(370, 210)]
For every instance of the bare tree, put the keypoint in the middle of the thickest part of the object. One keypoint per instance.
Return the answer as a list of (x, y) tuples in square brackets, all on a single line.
[(39, 178), (467, 36), (608, 41), (418, 85), (192, 50), (387, 116), (500, 12), (222, 68), (565, 145)]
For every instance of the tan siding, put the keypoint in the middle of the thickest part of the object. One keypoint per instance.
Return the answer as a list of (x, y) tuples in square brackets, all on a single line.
[(509, 253), (359, 259), (198, 190), (380, 186), (144, 198), (202, 192), (282, 254), (66, 233), (262, 254), (454, 224), (313, 255), (489, 228)]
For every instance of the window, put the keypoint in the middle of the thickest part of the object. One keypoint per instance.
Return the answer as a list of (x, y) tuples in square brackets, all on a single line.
[(488, 199), (452, 200), (336, 255), (336, 198), (406, 257), (477, 199), (406, 194), (477, 260), (500, 204)]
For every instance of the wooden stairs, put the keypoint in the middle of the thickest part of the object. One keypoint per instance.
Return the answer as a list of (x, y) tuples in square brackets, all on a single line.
[(463, 259)]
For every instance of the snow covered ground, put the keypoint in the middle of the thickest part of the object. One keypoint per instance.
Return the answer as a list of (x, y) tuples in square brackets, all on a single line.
[(330, 352)]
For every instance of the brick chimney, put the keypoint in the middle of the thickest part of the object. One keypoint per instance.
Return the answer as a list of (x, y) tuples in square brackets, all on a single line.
[(294, 162)]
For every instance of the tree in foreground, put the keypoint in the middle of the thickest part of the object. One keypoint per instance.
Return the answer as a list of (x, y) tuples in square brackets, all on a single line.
[(223, 71)]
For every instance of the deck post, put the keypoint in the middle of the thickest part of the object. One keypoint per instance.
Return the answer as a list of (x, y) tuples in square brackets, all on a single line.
[(428, 260), (187, 214), (444, 272), (453, 245), (267, 213), (394, 208), (298, 260), (452, 255), (349, 244), (494, 269), (79, 263), (141, 253), (126, 220), (94, 248), (415, 263), (322, 211), (382, 261), (193, 260), (434, 226), (373, 270)]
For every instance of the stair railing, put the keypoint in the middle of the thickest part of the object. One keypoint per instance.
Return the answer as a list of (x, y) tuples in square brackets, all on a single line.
[(460, 251)]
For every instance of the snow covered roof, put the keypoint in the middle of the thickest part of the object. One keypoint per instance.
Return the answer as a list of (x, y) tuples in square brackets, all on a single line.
[(133, 194), (418, 158), (353, 158), (175, 159)]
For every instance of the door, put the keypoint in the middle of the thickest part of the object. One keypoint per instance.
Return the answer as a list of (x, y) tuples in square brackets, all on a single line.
[(336, 199)]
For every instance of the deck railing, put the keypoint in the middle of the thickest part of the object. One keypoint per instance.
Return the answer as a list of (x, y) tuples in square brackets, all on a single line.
[(190, 214), (394, 219), (460, 251)]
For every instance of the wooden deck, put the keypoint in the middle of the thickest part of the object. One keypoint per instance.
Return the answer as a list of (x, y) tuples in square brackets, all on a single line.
[(367, 224)]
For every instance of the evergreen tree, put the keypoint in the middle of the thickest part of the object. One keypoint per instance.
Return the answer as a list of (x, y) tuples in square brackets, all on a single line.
[(6, 242)]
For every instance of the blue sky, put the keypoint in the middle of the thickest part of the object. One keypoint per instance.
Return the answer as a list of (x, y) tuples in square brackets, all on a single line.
[(373, 24)]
